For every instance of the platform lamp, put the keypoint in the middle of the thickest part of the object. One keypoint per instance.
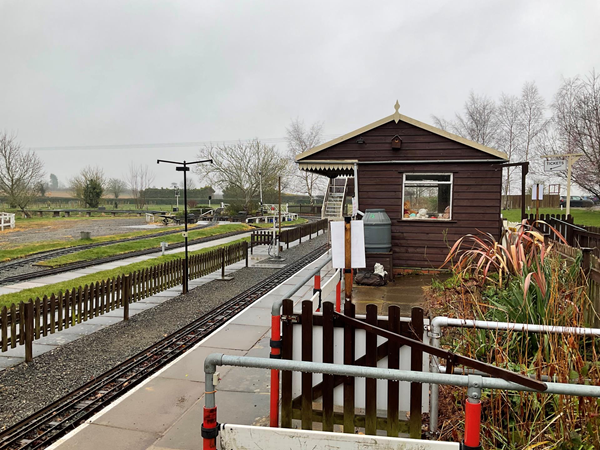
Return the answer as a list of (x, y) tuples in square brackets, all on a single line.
[(183, 167)]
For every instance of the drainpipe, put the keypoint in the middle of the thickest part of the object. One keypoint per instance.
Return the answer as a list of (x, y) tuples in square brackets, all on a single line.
[(356, 184)]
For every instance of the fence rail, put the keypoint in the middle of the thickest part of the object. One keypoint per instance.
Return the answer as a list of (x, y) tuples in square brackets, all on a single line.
[(302, 335), (579, 236), (515, 201), (28, 321), (289, 235)]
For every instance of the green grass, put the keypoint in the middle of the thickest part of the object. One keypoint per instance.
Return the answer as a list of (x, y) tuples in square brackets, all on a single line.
[(26, 294), (126, 247), (19, 251), (283, 224), (581, 216)]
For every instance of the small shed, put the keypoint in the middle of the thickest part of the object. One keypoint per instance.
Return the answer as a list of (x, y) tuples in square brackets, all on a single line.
[(434, 185)]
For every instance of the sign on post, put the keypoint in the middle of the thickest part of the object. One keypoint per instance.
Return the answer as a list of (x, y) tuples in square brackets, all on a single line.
[(357, 251), (555, 165)]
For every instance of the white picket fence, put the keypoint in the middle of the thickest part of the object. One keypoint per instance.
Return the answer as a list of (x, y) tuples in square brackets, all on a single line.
[(6, 220)]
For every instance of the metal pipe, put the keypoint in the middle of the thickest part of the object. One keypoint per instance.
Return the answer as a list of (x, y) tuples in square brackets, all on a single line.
[(276, 308), (435, 333), (441, 321), (577, 390)]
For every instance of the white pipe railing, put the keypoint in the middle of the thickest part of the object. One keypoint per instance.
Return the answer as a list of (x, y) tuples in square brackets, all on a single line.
[(435, 331)]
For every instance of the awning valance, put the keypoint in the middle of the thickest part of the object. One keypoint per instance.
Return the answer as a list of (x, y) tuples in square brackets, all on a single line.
[(327, 165)]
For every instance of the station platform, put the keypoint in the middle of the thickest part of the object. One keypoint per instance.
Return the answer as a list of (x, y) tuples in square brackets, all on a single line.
[(165, 411)]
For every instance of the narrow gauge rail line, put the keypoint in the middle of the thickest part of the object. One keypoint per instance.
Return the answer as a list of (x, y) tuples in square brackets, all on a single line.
[(95, 262), (51, 423), (40, 256)]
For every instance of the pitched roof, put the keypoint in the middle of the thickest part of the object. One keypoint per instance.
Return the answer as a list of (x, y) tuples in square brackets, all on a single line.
[(400, 117)]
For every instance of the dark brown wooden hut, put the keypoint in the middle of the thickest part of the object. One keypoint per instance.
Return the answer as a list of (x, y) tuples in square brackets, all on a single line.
[(435, 186)]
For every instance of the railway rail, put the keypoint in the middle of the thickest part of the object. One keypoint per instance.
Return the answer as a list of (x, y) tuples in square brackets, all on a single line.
[(51, 423), (95, 262), (41, 256)]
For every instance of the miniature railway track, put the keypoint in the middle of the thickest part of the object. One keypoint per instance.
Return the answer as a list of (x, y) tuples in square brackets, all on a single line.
[(41, 256), (95, 262), (51, 423)]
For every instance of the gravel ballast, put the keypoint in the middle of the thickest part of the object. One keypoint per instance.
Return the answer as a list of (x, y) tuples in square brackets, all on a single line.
[(26, 388)]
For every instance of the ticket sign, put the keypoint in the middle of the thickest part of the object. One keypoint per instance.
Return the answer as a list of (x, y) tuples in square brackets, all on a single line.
[(555, 165)]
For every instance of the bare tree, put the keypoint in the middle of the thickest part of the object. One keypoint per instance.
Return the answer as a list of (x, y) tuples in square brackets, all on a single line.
[(116, 187), (191, 184), (236, 168), (300, 139), (577, 119), (510, 134), (20, 172), (88, 174), (534, 122), (139, 178)]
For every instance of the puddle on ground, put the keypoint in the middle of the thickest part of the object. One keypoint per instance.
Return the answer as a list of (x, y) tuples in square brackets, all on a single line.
[(405, 291)]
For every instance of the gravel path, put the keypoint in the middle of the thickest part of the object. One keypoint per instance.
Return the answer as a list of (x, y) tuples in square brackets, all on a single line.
[(68, 229), (26, 388)]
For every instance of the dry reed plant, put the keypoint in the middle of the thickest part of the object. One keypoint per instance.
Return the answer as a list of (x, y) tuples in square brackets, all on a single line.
[(523, 281)]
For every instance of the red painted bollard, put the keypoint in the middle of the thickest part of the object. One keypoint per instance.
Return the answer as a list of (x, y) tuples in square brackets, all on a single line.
[(472, 424), (275, 353)]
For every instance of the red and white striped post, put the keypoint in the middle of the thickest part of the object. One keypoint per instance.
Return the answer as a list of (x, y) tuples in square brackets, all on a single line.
[(317, 288), (338, 294), (275, 353)]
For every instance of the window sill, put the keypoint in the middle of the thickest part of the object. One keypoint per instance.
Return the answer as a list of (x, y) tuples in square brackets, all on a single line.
[(426, 220)]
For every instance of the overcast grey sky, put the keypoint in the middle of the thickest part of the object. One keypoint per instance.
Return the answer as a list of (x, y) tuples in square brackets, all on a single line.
[(101, 73)]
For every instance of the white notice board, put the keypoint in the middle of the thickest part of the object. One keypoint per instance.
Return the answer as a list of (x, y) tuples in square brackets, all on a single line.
[(357, 228), (535, 189)]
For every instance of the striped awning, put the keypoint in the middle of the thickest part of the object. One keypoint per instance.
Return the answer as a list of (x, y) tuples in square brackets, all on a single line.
[(327, 165)]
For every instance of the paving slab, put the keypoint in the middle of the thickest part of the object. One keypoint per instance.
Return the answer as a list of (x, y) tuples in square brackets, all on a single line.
[(83, 328), (38, 349), (254, 316), (236, 337), (9, 361), (100, 437), (58, 338), (191, 367), (155, 407)]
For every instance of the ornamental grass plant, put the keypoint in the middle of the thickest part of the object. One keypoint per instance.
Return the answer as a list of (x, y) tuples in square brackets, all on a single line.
[(522, 280)]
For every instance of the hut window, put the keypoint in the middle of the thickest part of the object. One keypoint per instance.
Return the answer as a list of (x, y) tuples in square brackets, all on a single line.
[(427, 196)]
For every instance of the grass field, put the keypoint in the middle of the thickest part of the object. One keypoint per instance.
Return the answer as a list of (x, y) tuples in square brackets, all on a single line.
[(18, 251), (126, 247), (283, 224), (26, 294), (581, 216)]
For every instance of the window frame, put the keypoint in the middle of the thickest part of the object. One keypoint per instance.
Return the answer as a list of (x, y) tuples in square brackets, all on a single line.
[(451, 183)]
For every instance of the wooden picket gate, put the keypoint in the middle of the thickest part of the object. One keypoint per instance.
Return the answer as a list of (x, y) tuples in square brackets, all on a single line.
[(307, 328)]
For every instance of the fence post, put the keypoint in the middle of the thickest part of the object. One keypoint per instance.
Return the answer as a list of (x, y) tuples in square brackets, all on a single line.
[(126, 295), (252, 243), (246, 250), (28, 331), (416, 364), (586, 262), (222, 262)]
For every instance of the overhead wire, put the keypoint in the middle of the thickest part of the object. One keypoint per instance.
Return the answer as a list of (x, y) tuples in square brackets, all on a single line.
[(163, 144)]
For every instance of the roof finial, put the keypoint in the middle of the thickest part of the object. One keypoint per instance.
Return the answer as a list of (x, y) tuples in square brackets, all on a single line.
[(397, 114)]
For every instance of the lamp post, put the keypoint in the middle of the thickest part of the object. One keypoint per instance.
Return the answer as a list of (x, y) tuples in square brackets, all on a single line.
[(183, 167), (176, 195), (260, 187)]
